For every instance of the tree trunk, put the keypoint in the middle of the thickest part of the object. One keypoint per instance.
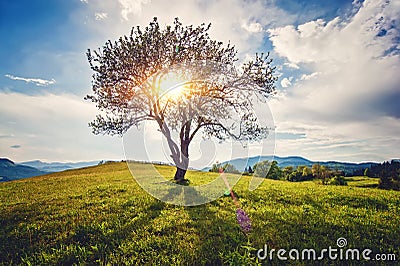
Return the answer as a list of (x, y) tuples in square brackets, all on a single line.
[(180, 155), (184, 161), (180, 174)]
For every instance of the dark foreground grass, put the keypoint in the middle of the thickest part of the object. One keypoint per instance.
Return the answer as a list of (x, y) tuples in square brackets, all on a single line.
[(99, 215)]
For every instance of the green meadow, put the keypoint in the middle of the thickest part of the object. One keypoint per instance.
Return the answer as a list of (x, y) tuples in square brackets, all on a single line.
[(101, 216)]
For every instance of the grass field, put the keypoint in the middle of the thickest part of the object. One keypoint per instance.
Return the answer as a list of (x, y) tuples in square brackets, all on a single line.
[(362, 181), (99, 215)]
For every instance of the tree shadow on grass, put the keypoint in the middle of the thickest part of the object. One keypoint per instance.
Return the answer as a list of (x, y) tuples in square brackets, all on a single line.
[(66, 242), (184, 195), (216, 228), (219, 233), (128, 232), (135, 237)]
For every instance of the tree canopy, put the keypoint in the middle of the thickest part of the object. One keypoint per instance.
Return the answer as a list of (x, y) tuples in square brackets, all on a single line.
[(216, 99)]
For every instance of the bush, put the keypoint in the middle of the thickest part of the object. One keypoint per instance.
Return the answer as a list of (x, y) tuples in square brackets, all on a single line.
[(387, 182), (337, 181), (302, 173), (227, 168), (261, 169), (294, 176), (230, 168)]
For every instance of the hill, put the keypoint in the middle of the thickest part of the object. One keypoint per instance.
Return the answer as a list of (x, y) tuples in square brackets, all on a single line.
[(348, 168), (100, 215), (57, 166), (11, 171)]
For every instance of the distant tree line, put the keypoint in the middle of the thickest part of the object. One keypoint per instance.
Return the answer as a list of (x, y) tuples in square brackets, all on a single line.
[(271, 170), (388, 172)]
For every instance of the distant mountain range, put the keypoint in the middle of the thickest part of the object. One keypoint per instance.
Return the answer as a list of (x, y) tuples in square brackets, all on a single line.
[(56, 166), (13, 171), (242, 163)]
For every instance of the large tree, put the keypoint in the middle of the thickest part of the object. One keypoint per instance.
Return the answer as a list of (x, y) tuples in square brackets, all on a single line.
[(217, 101)]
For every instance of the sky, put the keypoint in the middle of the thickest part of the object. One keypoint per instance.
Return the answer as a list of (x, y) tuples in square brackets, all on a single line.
[(338, 64)]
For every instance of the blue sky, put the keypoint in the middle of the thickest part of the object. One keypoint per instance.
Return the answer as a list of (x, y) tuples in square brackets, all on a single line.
[(338, 65)]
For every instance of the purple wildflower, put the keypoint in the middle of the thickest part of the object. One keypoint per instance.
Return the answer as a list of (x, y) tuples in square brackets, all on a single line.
[(243, 220)]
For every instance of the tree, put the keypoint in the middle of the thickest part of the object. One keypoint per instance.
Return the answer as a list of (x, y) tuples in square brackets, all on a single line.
[(128, 77), (274, 172), (262, 169), (250, 170), (215, 167), (294, 176), (287, 171), (321, 172), (246, 171), (302, 173), (230, 168), (316, 170), (326, 174), (389, 175), (306, 172)]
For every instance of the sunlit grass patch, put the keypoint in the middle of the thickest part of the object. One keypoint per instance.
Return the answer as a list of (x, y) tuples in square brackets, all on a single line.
[(362, 181)]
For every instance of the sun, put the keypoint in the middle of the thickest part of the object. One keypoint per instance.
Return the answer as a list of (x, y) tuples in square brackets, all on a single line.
[(176, 92), (172, 86)]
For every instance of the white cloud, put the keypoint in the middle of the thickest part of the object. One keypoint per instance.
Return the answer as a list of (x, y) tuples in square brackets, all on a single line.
[(238, 25), (36, 81), (52, 127), (131, 7), (253, 27), (286, 83), (338, 40), (352, 90), (291, 65), (100, 15), (84, 1), (6, 136), (310, 76)]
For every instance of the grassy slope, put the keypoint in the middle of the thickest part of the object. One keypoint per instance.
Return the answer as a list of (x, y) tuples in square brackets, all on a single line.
[(100, 214)]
